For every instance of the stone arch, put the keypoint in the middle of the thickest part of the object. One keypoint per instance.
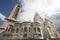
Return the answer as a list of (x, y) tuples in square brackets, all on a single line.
[(9, 28)]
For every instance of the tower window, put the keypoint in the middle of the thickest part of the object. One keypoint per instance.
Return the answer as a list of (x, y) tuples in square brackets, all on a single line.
[(18, 5), (16, 12)]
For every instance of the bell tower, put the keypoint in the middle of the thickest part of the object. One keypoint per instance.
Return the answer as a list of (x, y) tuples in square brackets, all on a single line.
[(14, 15), (15, 12)]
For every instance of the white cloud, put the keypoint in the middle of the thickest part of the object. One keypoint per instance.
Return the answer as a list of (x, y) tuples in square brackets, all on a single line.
[(2, 17), (44, 7)]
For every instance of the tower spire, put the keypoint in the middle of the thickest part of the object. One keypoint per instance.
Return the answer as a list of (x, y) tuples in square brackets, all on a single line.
[(15, 12), (13, 16), (37, 18)]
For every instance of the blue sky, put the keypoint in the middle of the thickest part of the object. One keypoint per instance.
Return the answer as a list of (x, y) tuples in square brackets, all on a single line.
[(6, 7)]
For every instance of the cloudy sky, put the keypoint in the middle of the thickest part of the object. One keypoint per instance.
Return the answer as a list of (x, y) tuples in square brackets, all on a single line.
[(45, 8)]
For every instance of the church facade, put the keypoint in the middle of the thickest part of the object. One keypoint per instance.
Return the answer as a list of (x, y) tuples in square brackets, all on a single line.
[(37, 30)]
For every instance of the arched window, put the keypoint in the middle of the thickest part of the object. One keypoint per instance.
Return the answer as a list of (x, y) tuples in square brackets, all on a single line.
[(17, 30), (10, 27), (38, 29), (7, 29), (29, 29), (34, 29), (21, 30), (12, 30), (25, 29)]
